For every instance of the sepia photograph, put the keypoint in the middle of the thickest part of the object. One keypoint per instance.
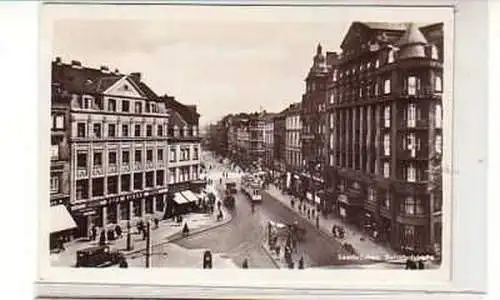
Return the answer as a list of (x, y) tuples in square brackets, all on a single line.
[(237, 137)]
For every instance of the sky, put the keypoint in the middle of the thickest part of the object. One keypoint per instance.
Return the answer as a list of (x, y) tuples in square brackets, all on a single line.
[(222, 59), (222, 66)]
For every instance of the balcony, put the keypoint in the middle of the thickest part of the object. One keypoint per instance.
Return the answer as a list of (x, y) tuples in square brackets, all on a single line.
[(160, 163), (125, 167), (112, 168), (412, 155), (97, 171), (81, 173), (415, 125), (149, 164), (137, 165)]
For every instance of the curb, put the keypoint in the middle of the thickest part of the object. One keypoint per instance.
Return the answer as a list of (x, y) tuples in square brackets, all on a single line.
[(173, 238), (270, 256)]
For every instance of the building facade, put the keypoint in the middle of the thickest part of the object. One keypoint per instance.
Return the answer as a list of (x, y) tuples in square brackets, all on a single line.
[(118, 145), (279, 131), (314, 130), (269, 141), (184, 153), (293, 148), (385, 119)]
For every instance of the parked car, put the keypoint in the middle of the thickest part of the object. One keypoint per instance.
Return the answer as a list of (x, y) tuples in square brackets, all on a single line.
[(98, 257)]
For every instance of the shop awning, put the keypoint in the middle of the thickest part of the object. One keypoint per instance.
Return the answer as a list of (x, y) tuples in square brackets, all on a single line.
[(179, 199), (60, 219), (190, 196)]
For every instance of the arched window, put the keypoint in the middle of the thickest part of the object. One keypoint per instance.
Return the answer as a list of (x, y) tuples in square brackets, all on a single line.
[(387, 86), (438, 85)]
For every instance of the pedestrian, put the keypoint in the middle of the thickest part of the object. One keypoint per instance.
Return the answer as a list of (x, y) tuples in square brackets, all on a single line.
[(123, 262), (421, 264), (118, 231), (245, 264), (93, 233), (157, 223), (102, 238), (301, 263), (317, 221)]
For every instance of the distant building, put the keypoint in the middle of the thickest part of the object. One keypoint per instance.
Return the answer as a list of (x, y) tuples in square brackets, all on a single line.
[(279, 131), (269, 141), (293, 147), (385, 115), (184, 156)]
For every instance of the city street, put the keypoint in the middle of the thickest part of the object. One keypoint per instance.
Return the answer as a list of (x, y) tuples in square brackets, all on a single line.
[(243, 236)]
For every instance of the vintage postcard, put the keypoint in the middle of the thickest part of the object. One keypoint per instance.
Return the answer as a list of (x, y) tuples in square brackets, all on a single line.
[(232, 139)]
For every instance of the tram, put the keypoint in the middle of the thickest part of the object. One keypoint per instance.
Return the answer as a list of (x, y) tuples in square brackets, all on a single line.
[(252, 188)]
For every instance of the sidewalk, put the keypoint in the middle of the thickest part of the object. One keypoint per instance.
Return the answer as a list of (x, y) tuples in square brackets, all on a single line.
[(279, 260), (167, 231), (364, 248)]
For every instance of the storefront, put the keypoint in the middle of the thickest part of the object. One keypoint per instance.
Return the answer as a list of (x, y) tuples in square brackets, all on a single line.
[(112, 210), (62, 226)]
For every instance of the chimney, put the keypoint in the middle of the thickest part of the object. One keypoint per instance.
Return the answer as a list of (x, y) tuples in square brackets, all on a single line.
[(76, 64), (105, 69), (136, 76), (58, 60)]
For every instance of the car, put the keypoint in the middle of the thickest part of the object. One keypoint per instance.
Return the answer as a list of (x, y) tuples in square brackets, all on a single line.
[(98, 257)]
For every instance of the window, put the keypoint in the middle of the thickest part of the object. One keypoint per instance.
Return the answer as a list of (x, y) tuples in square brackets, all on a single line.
[(112, 158), (171, 176), (97, 130), (111, 130), (149, 130), (111, 105), (59, 120), (387, 144), (377, 64), (54, 184), (335, 75), (387, 86), (150, 179), (159, 177), (81, 160), (125, 106), (387, 200), (409, 206), (80, 130), (412, 85), (376, 89), (387, 116), (125, 130), (438, 116), (98, 159), (138, 108), (411, 173), (387, 170), (137, 181), (98, 104), (82, 189), (149, 155), (97, 187), (412, 115), (173, 155), (332, 98), (434, 52), (390, 56), (371, 195), (113, 185), (138, 156), (137, 130), (195, 153), (438, 84), (160, 130), (125, 182), (159, 154), (439, 144), (125, 157)]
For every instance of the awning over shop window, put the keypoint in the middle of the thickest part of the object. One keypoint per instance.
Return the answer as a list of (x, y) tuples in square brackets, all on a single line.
[(180, 199), (60, 219), (190, 196)]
